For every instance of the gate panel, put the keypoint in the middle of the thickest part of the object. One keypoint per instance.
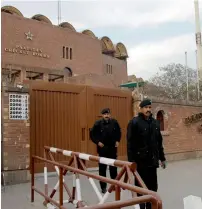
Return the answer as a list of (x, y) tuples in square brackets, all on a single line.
[(120, 103), (62, 114), (58, 118)]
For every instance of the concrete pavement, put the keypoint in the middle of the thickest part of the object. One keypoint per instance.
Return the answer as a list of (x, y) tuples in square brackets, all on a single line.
[(179, 180)]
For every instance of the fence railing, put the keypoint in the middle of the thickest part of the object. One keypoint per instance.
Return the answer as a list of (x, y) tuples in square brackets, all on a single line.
[(76, 166)]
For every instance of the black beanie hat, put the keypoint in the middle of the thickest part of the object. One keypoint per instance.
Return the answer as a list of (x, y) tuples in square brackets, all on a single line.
[(145, 102)]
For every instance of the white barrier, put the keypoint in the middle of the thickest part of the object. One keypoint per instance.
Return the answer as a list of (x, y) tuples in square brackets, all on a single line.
[(192, 202), (137, 207), (50, 206)]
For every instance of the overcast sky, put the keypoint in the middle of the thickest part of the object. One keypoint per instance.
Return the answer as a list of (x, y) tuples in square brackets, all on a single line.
[(155, 32)]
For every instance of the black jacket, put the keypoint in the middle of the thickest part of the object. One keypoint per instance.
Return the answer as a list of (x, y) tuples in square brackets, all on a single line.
[(144, 142), (106, 133)]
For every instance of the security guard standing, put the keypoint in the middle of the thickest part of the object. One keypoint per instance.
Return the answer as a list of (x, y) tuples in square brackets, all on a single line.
[(144, 145), (106, 134)]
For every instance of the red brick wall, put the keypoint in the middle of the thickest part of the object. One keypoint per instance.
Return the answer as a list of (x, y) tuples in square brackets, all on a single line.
[(15, 137), (51, 39), (92, 80), (119, 70), (87, 51), (179, 138)]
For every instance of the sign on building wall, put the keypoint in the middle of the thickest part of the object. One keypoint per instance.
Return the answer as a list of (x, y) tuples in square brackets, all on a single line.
[(26, 50), (18, 106)]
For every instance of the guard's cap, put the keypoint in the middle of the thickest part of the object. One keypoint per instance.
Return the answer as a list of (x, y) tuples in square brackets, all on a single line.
[(145, 102), (105, 110)]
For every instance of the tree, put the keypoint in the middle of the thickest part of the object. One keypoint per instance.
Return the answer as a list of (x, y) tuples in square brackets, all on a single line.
[(172, 80)]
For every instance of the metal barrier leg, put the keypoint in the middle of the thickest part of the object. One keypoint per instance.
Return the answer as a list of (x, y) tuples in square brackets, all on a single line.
[(78, 186), (3, 183), (74, 187), (106, 195), (45, 175), (57, 184), (45, 181), (32, 179), (117, 194), (64, 173), (91, 181), (61, 186)]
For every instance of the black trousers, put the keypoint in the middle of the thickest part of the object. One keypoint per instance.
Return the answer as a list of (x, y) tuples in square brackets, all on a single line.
[(149, 176), (102, 172), (108, 153)]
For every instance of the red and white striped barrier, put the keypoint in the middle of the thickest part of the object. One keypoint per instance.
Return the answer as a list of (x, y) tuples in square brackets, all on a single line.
[(83, 156), (128, 170)]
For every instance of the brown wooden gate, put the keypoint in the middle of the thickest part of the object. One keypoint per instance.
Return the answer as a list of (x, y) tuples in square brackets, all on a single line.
[(61, 116), (120, 104)]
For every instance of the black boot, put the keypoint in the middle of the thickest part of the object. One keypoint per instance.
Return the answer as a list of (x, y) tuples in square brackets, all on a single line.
[(142, 206), (104, 190), (148, 205)]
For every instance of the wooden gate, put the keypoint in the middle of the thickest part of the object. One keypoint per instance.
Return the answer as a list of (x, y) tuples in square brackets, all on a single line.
[(61, 116), (120, 104)]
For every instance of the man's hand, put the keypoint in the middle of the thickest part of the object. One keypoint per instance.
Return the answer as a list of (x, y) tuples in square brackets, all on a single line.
[(100, 144), (163, 164), (117, 144)]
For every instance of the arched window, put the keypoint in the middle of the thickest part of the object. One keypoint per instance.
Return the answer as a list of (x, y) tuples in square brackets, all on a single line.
[(68, 71), (160, 118)]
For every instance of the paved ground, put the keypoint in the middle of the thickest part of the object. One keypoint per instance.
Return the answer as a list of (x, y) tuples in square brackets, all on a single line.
[(178, 181)]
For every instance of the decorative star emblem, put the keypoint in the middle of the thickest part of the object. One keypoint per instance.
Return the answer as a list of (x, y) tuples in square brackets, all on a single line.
[(29, 35)]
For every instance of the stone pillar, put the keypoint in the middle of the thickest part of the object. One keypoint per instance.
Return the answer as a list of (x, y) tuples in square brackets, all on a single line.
[(45, 76), (136, 107), (136, 101), (23, 76)]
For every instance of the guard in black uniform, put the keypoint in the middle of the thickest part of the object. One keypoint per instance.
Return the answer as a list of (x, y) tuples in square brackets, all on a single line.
[(106, 134), (144, 145)]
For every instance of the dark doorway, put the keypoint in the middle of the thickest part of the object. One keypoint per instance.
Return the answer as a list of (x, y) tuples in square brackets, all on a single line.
[(68, 71), (160, 118)]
